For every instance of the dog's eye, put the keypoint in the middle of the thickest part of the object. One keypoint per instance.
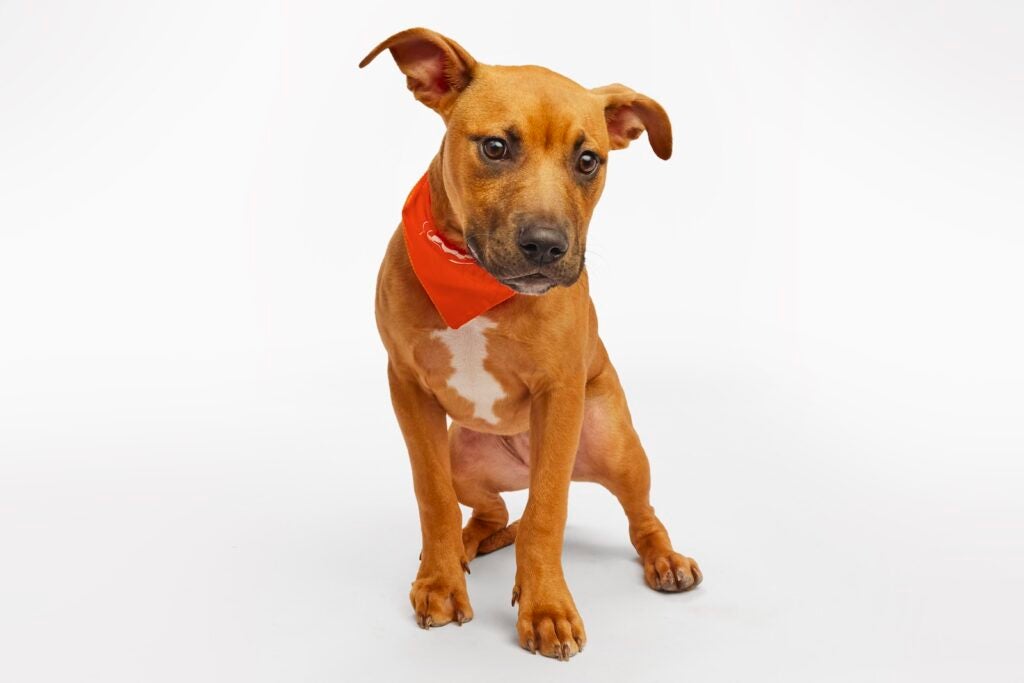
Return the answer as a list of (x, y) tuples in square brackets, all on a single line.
[(494, 148), (588, 163)]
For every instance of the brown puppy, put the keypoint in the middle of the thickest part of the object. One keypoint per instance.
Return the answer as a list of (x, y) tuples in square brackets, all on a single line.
[(533, 399)]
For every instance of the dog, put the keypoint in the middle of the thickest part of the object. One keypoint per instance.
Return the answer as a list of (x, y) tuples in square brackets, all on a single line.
[(483, 305)]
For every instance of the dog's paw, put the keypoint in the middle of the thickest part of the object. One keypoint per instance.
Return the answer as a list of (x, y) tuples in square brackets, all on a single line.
[(671, 572), (549, 624), (440, 599)]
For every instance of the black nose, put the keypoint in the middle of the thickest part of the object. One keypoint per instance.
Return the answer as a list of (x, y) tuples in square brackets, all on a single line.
[(542, 245)]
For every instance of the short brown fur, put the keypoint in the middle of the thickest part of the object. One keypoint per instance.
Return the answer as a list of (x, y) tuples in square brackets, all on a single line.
[(564, 414)]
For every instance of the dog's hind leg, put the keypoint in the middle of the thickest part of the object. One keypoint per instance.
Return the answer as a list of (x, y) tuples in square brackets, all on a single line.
[(499, 539), (611, 455), (484, 465), (486, 530), (489, 519)]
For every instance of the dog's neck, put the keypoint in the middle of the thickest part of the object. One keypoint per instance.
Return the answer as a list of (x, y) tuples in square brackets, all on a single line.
[(441, 208)]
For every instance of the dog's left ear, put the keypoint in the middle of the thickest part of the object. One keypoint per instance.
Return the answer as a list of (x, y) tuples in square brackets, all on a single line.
[(436, 68), (629, 114)]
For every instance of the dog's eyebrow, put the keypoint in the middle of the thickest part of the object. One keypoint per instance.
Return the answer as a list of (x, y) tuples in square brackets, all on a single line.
[(580, 142), (511, 134)]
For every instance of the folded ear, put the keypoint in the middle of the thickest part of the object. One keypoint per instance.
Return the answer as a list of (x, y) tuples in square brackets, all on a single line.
[(437, 69), (629, 114)]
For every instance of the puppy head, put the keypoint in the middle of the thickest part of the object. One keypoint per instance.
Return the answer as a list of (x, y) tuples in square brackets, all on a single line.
[(524, 154)]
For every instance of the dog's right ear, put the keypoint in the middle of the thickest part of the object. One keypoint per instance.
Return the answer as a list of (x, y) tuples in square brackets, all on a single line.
[(436, 68)]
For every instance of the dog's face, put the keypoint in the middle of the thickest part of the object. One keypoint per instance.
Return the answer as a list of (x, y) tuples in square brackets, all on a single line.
[(523, 163), (524, 155)]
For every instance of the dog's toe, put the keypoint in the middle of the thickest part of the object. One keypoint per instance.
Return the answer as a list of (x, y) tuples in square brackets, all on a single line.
[(437, 601), (671, 572)]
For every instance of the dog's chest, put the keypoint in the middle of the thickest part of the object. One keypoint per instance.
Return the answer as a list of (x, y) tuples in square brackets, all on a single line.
[(466, 372)]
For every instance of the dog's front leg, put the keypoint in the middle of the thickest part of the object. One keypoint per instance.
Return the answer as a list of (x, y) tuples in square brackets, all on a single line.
[(438, 594), (548, 620)]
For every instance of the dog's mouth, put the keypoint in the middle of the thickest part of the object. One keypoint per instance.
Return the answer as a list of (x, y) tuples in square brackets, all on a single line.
[(533, 283), (509, 270)]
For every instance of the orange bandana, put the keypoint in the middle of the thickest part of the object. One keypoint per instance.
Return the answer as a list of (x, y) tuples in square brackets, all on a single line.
[(459, 288)]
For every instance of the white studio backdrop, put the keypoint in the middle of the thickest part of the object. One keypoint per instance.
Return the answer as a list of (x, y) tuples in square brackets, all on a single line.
[(815, 307)]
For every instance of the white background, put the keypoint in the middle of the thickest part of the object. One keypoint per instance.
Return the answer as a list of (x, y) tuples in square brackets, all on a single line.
[(815, 307)]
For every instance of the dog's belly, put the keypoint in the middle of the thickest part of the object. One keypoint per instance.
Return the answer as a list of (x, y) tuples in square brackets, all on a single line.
[(503, 460), (466, 374)]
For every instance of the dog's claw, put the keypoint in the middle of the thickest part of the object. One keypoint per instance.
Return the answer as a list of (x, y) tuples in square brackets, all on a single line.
[(530, 647), (515, 596), (565, 652), (465, 567)]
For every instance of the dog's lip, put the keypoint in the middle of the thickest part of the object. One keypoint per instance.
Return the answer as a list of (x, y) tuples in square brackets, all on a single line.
[(529, 280), (531, 283), (529, 277)]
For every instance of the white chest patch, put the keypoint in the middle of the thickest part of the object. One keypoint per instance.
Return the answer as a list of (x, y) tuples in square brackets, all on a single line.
[(470, 380)]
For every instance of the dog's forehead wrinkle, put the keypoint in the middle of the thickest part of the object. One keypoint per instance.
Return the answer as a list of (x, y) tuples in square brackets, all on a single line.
[(551, 128)]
